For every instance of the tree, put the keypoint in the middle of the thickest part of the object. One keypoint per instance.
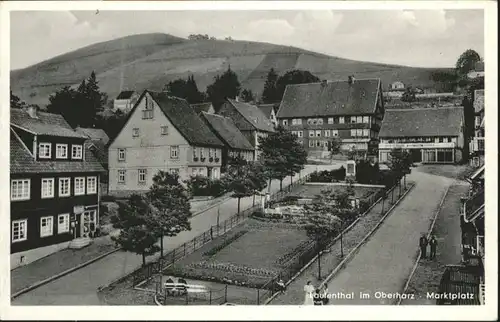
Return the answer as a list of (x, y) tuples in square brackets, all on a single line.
[(171, 203), (95, 100), (247, 96), (334, 147), (467, 61), (224, 86), (247, 181), (295, 76), (133, 218), (186, 89), (400, 163), (16, 102), (270, 94), (276, 154), (66, 101), (409, 95)]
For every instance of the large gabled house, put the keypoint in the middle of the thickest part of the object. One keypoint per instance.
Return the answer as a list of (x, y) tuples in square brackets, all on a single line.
[(249, 119), (350, 111), (161, 132), (235, 143), (54, 186)]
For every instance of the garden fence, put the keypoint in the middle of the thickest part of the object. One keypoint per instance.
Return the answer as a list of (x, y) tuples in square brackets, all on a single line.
[(146, 272)]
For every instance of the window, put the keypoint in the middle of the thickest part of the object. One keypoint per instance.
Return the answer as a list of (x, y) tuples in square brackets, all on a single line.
[(366, 119), (320, 121), (353, 132), (63, 223), (215, 153), (318, 143), (135, 132), (285, 122), (76, 151), (341, 120), (91, 185), (44, 150), (436, 140), (318, 133), (121, 176), (327, 133), (335, 132), (20, 189), (330, 120), (121, 154), (46, 226), (174, 152), (359, 132), (441, 140), (142, 175), (210, 153), (300, 134), (311, 143), (353, 119), (164, 130), (454, 140), (296, 121), (64, 187), (195, 153), (202, 153), (359, 119), (61, 151), (19, 230), (147, 113), (311, 134), (79, 186), (48, 188), (309, 121), (366, 132), (445, 140)]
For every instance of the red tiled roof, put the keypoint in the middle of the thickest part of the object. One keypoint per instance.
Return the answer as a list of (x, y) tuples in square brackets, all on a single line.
[(45, 124), (444, 121), (330, 98), (22, 161)]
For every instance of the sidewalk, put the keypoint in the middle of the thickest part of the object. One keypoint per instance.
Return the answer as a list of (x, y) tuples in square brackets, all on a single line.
[(80, 287), (427, 276)]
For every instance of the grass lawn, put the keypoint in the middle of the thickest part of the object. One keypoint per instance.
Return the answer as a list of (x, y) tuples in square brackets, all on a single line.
[(453, 171), (428, 274)]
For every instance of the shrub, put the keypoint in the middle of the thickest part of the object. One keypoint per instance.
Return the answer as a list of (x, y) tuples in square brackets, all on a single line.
[(328, 176), (366, 173), (204, 186), (258, 214)]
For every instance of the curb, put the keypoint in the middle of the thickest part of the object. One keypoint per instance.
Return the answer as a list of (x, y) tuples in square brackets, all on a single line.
[(333, 242), (417, 260), (365, 239), (66, 272)]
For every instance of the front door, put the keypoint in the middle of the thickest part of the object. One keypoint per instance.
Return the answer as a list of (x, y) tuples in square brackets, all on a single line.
[(88, 223)]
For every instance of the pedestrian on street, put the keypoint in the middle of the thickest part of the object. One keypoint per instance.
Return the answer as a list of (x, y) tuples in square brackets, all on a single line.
[(309, 290), (318, 297), (423, 246), (281, 286), (433, 243), (325, 295)]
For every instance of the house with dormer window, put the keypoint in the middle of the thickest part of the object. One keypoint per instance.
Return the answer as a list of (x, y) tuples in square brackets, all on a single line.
[(54, 186), (161, 132)]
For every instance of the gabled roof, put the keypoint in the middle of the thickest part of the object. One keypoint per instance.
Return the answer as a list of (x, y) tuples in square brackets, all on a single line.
[(267, 109), (253, 115), (443, 121), (99, 149), (125, 95), (45, 124), (201, 107), (227, 131), (22, 161), (185, 119), (93, 134), (330, 98)]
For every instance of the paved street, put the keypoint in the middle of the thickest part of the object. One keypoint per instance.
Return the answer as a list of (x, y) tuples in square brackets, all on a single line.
[(80, 287), (384, 263)]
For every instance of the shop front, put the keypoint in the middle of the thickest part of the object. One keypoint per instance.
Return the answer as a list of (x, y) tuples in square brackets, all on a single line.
[(445, 152)]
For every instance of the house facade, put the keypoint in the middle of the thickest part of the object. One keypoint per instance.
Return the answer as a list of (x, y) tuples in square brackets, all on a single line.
[(54, 187), (161, 133), (348, 111), (235, 143), (397, 86), (250, 121), (125, 101), (431, 135), (477, 143)]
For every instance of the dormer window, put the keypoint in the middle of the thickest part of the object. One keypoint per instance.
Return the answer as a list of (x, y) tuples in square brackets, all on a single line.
[(76, 152), (44, 150), (61, 151)]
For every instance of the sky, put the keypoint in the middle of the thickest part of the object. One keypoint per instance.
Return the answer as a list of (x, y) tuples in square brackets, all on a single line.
[(426, 38)]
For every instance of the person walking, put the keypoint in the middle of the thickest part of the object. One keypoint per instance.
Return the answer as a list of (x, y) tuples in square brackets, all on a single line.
[(433, 244), (423, 246), (281, 286), (309, 290), (318, 297)]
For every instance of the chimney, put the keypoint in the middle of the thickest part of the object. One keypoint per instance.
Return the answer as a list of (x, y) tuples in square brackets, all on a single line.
[(32, 111), (350, 80), (323, 83)]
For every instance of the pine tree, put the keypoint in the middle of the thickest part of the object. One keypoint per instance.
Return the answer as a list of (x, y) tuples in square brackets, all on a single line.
[(15, 101), (292, 77), (270, 94), (224, 86)]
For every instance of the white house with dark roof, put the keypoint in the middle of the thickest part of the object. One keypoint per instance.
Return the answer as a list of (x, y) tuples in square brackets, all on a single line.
[(161, 133), (54, 186), (432, 135), (350, 111), (125, 100), (249, 119)]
